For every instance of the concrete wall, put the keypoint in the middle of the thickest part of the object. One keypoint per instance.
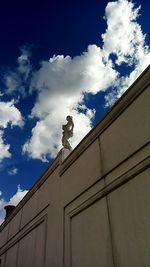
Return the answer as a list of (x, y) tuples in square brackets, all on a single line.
[(92, 209)]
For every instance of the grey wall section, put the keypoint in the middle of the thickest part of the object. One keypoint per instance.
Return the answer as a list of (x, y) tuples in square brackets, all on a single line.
[(129, 205), (92, 209)]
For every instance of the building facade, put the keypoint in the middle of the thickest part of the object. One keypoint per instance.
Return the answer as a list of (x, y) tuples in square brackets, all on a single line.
[(92, 209)]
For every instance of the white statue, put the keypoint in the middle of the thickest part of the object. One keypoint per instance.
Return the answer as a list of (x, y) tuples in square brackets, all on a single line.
[(67, 132)]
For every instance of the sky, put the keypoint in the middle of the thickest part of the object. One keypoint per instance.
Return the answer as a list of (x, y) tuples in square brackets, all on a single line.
[(61, 58)]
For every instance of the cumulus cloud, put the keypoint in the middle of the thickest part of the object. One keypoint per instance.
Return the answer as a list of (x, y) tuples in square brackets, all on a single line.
[(123, 33), (13, 171), (62, 81), (4, 148), (124, 39), (2, 212), (17, 80), (14, 200), (9, 115)]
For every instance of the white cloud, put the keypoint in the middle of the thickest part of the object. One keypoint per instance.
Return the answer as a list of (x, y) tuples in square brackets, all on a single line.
[(2, 212), (4, 148), (124, 38), (9, 115), (62, 81), (123, 33), (13, 171), (14, 200), (16, 80)]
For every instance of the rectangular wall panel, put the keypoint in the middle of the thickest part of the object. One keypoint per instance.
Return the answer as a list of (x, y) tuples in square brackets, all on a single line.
[(32, 248), (129, 132), (130, 219), (88, 242)]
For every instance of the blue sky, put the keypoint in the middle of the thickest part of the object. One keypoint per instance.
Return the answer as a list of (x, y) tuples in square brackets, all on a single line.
[(60, 58)]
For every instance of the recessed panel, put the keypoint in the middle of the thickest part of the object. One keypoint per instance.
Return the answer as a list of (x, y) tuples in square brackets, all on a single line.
[(32, 248), (90, 243), (130, 219), (129, 132)]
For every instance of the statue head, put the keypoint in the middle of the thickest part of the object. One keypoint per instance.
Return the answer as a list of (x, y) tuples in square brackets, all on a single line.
[(69, 118)]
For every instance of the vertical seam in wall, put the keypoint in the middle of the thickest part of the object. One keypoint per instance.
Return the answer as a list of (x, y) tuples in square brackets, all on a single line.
[(20, 219), (111, 232), (61, 221), (18, 243), (8, 232), (108, 210), (45, 238), (100, 155), (64, 248), (4, 259), (70, 243), (34, 242), (5, 255), (17, 254)]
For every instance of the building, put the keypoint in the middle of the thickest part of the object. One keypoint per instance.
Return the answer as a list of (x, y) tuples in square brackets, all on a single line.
[(93, 209)]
